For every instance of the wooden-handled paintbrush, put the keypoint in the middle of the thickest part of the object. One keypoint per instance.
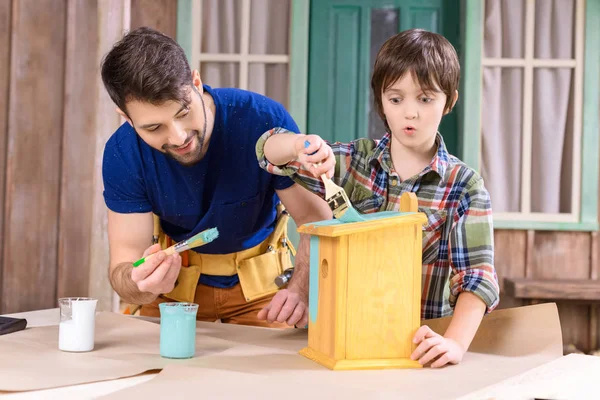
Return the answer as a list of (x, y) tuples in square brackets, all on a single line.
[(198, 240), (338, 200)]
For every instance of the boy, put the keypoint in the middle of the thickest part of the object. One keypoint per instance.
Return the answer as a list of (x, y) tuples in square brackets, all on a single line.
[(415, 81)]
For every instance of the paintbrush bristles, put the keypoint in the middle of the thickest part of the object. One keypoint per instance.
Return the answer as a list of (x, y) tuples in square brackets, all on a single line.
[(339, 202), (202, 238)]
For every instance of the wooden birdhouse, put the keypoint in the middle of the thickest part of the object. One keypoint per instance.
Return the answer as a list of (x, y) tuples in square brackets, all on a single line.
[(365, 289)]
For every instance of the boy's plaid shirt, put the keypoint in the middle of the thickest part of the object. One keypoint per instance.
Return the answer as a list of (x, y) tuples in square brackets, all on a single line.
[(458, 247)]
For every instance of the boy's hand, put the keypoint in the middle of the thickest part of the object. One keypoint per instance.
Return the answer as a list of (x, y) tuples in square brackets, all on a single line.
[(315, 155), (433, 345)]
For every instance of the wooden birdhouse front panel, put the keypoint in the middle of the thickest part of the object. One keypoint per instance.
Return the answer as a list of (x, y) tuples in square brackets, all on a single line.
[(329, 327), (384, 280)]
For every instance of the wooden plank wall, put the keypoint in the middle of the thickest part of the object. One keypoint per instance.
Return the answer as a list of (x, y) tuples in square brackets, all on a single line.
[(554, 255), (49, 103), (112, 22), (33, 154), (5, 29), (78, 141), (158, 14)]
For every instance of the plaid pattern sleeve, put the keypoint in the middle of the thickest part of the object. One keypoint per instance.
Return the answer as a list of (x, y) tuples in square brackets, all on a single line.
[(289, 169), (342, 152), (471, 247)]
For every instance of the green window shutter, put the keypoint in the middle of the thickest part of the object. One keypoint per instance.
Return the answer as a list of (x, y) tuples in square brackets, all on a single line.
[(340, 61)]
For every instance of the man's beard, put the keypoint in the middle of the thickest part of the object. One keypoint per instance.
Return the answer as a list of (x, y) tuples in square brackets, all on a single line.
[(196, 156), (193, 157)]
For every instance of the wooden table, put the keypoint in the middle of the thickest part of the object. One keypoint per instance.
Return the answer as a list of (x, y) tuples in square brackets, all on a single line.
[(86, 391), (572, 376)]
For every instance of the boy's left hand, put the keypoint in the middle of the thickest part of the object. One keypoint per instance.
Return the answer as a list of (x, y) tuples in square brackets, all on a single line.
[(433, 345)]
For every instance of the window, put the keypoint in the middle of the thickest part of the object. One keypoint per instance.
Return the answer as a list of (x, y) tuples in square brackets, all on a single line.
[(241, 43), (238, 43), (533, 75)]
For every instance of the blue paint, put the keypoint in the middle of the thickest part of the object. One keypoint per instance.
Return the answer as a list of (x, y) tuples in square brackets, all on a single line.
[(178, 329), (351, 215), (367, 217), (313, 288), (207, 236)]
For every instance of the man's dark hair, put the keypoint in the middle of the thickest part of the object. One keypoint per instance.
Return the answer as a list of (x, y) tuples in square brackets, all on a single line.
[(148, 66), (428, 56)]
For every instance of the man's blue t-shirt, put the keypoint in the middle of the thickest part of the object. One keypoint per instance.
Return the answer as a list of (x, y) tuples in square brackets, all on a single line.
[(226, 190)]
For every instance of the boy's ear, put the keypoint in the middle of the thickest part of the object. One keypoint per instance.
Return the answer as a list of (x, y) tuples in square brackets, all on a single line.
[(122, 114), (454, 100)]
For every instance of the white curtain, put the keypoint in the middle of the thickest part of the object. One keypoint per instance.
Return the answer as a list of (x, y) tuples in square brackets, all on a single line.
[(269, 34), (502, 106)]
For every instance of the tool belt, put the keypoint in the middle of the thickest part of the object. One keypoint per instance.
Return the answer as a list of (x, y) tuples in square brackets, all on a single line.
[(256, 267)]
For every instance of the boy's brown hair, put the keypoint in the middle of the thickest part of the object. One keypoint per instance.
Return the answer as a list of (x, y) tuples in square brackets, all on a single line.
[(428, 56)]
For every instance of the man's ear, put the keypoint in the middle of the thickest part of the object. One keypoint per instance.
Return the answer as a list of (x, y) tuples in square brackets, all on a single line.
[(122, 114), (196, 81), (454, 100)]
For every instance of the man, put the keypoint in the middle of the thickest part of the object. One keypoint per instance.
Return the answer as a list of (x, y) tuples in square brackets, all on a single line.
[(187, 156)]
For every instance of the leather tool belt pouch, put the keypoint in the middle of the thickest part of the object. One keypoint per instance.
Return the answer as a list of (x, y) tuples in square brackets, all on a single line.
[(256, 267)]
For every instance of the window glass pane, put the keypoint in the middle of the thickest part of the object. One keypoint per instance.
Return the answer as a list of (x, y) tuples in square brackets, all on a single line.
[(269, 26), (384, 24), (221, 26), (270, 80), (504, 29), (220, 74), (554, 29), (501, 130), (552, 140)]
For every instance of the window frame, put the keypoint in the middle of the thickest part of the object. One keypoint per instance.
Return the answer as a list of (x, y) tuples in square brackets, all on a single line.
[(586, 211), (189, 36)]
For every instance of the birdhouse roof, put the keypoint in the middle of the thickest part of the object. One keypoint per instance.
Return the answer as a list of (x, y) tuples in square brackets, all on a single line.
[(380, 220)]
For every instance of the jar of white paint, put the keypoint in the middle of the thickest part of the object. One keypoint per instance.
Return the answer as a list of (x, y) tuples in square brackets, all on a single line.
[(77, 324)]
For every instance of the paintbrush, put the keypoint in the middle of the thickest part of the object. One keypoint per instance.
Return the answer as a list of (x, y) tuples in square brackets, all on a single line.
[(338, 200), (198, 240)]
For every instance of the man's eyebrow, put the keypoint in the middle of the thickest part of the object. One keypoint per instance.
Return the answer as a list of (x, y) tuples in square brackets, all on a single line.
[(183, 107), (146, 126)]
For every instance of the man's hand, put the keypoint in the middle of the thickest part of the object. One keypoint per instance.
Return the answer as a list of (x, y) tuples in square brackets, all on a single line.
[(289, 306), (158, 274), (312, 150), (433, 345)]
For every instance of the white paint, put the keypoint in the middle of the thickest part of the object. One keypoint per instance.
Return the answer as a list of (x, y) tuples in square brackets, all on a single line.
[(77, 333)]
